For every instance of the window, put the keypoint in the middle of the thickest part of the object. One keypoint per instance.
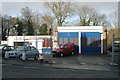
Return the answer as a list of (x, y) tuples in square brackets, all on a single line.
[(5, 48), (32, 48), (65, 46), (46, 43)]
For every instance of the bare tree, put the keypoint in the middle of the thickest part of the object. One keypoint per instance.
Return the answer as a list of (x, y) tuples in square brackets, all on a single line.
[(37, 21), (61, 10), (114, 21), (86, 15), (100, 19), (27, 15), (7, 23), (113, 18), (49, 21)]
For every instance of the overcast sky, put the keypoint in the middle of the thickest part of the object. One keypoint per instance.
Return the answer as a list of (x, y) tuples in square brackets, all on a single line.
[(14, 8)]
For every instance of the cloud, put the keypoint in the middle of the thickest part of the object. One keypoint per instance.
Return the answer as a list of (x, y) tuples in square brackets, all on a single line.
[(14, 8)]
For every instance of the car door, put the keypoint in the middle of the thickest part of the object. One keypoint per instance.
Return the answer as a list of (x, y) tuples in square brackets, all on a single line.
[(66, 49), (33, 51), (27, 52)]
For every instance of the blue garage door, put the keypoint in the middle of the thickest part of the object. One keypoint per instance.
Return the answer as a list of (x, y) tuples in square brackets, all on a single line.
[(90, 42), (65, 37)]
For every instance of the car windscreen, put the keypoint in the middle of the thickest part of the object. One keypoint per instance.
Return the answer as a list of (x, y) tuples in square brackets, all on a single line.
[(1, 47), (65, 46)]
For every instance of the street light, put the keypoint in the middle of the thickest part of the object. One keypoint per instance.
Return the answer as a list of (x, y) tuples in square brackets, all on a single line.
[(37, 32), (24, 38), (16, 33)]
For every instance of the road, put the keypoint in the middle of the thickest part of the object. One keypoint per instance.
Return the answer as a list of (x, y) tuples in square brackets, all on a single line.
[(43, 71)]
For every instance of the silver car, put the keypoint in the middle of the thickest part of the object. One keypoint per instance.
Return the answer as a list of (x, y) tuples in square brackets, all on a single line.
[(30, 52)]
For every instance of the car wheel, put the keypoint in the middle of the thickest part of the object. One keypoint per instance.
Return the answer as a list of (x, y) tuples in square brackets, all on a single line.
[(36, 57), (20, 57)]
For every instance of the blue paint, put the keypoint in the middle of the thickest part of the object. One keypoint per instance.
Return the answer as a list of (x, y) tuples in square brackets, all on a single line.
[(46, 50), (85, 50), (90, 49), (67, 35)]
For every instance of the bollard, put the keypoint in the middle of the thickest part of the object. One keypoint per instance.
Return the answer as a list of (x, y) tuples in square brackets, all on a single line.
[(6, 55), (41, 58), (23, 56)]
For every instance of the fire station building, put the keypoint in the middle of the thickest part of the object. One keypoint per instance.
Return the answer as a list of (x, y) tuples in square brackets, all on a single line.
[(89, 39)]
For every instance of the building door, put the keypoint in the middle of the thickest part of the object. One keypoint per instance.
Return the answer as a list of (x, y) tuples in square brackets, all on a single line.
[(90, 43), (68, 37)]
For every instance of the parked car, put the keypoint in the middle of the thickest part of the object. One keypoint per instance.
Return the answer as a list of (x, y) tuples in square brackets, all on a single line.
[(116, 47), (4, 48), (30, 52), (56, 48), (66, 49)]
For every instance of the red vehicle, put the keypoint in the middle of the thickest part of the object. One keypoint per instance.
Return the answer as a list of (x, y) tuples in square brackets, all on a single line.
[(66, 49), (57, 48)]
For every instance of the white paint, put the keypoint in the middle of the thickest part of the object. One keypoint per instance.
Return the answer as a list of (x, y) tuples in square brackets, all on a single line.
[(79, 39), (101, 43), (3, 42), (39, 46), (81, 29)]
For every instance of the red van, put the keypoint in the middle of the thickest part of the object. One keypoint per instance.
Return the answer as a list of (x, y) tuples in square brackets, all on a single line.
[(65, 49)]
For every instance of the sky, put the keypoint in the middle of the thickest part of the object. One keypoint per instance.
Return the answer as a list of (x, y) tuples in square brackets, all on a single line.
[(13, 8)]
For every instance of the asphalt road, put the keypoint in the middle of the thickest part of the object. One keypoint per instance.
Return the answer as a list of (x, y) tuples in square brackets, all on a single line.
[(42, 71)]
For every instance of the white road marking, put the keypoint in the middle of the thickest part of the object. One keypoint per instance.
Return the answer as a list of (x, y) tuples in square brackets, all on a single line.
[(32, 67)]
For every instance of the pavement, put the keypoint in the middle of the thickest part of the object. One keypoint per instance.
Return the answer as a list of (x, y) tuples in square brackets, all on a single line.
[(88, 62)]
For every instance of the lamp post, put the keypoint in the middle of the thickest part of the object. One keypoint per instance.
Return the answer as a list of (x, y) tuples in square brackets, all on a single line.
[(37, 38), (24, 38), (16, 33)]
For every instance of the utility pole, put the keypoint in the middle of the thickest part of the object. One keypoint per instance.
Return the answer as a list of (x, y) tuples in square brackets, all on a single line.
[(112, 62), (37, 33), (113, 54)]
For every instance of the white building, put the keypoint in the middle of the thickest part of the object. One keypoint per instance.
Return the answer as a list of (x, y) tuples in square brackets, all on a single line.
[(42, 43)]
